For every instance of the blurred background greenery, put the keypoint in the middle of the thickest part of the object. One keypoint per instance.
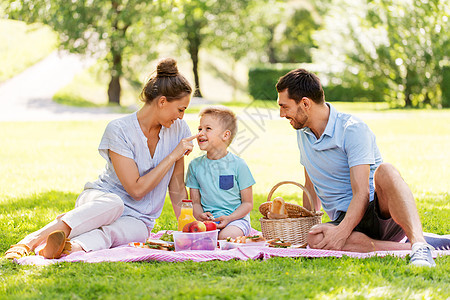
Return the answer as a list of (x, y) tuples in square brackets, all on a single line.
[(393, 51)]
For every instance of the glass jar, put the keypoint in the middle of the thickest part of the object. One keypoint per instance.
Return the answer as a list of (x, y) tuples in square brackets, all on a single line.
[(186, 214)]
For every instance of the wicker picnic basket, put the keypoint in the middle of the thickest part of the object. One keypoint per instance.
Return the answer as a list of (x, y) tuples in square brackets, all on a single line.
[(293, 229)]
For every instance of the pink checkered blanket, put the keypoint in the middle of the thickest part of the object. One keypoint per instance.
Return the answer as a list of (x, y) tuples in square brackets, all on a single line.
[(128, 253)]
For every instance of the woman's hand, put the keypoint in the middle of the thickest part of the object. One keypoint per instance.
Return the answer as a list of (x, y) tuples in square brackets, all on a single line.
[(184, 147), (138, 186)]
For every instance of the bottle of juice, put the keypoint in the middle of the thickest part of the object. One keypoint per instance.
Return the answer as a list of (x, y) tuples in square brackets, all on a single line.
[(186, 215)]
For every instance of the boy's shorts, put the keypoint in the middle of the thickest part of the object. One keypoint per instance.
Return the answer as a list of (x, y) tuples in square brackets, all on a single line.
[(374, 225), (242, 224)]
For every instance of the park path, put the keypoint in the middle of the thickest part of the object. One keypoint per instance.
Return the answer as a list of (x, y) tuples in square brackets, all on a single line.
[(28, 96)]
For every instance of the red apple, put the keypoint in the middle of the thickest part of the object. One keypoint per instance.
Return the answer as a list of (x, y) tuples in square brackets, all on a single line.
[(197, 226), (197, 245), (210, 225), (183, 243), (186, 227), (203, 244)]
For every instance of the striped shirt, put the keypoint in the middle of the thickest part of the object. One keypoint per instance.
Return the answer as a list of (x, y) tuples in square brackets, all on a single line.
[(125, 137)]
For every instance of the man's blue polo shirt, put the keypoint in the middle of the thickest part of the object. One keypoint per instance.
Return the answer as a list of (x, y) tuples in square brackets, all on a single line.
[(346, 142)]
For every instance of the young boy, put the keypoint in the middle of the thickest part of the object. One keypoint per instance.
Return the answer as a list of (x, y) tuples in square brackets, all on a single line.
[(220, 182)]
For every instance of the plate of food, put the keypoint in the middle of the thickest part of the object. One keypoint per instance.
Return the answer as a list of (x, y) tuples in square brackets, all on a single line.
[(242, 241), (160, 245), (278, 243)]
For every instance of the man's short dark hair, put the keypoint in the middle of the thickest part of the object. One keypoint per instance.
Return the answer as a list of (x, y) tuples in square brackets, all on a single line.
[(301, 83)]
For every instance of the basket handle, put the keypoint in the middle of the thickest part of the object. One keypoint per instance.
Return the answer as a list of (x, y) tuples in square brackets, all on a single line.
[(308, 195)]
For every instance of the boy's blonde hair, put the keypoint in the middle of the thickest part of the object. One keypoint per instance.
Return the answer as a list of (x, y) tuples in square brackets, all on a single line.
[(225, 115)]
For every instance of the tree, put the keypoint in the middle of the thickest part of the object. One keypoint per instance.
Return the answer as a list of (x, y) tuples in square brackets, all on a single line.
[(199, 22), (268, 21), (238, 38), (119, 31), (399, 47), (285, 29), (297, 36)]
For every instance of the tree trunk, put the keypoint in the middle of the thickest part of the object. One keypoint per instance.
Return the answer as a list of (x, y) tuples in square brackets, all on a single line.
[(408, 102), (114, 88), (197, 92), (233, 80), (271, 47), (194, 46), (194, 39)]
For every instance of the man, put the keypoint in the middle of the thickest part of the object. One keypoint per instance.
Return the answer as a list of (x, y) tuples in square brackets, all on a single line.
[(370, 205)]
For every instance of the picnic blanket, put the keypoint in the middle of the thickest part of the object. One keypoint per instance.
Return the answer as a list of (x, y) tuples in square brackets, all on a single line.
[(128, 253)]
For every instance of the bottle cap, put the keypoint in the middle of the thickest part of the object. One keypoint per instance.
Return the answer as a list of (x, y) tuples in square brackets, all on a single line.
[(186, 200)]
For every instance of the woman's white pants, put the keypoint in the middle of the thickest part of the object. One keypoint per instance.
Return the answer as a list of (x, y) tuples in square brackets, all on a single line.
[(97, 222)]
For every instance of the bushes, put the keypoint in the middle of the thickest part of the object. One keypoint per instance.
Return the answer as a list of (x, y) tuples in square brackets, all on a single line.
[(262, 80)]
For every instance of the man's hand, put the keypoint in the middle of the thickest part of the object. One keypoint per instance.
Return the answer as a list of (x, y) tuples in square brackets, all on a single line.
[(333, 237)]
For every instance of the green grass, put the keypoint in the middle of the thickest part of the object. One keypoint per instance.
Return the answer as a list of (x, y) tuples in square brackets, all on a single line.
[(23, 45), (44, 166), (278, 278)]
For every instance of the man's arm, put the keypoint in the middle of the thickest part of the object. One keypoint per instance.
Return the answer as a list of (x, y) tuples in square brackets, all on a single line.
[(336, 236), (310, 188)]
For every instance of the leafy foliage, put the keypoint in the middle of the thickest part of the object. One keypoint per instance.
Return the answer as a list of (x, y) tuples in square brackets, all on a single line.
[(297, 40), (263, 78), (121, 32), (400, 48), (209, 23)]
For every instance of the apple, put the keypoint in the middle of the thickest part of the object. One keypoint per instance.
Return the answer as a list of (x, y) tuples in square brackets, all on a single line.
[(186, 227), (197, 226), (183, 243), (197, 245), (203, 244), (210, 225)]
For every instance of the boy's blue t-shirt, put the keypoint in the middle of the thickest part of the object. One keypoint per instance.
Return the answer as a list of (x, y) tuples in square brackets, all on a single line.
[(220, 182), (346, 142)]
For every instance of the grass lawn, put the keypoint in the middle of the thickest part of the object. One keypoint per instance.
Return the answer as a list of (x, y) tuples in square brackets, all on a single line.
[(44, 166), (23, 45)]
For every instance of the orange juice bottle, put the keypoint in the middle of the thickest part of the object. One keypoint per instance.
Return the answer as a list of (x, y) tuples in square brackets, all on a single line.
[(186, 215)]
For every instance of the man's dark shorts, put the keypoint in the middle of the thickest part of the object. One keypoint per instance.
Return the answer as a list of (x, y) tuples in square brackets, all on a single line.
[(374, 225)]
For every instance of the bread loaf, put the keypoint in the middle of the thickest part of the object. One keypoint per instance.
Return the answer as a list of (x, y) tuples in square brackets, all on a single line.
[(277, 209)]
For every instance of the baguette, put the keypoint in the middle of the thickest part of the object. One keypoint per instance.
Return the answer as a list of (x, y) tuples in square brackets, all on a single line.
[(277, 209)]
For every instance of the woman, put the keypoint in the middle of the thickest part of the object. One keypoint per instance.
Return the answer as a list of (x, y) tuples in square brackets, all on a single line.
[(145, 156)]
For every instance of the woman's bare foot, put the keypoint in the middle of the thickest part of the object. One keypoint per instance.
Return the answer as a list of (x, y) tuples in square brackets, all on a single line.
[(75, 247), (56, 242), (38, 237)]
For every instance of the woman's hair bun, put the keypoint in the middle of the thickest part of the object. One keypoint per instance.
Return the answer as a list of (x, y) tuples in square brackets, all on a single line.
[(167, 68)]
